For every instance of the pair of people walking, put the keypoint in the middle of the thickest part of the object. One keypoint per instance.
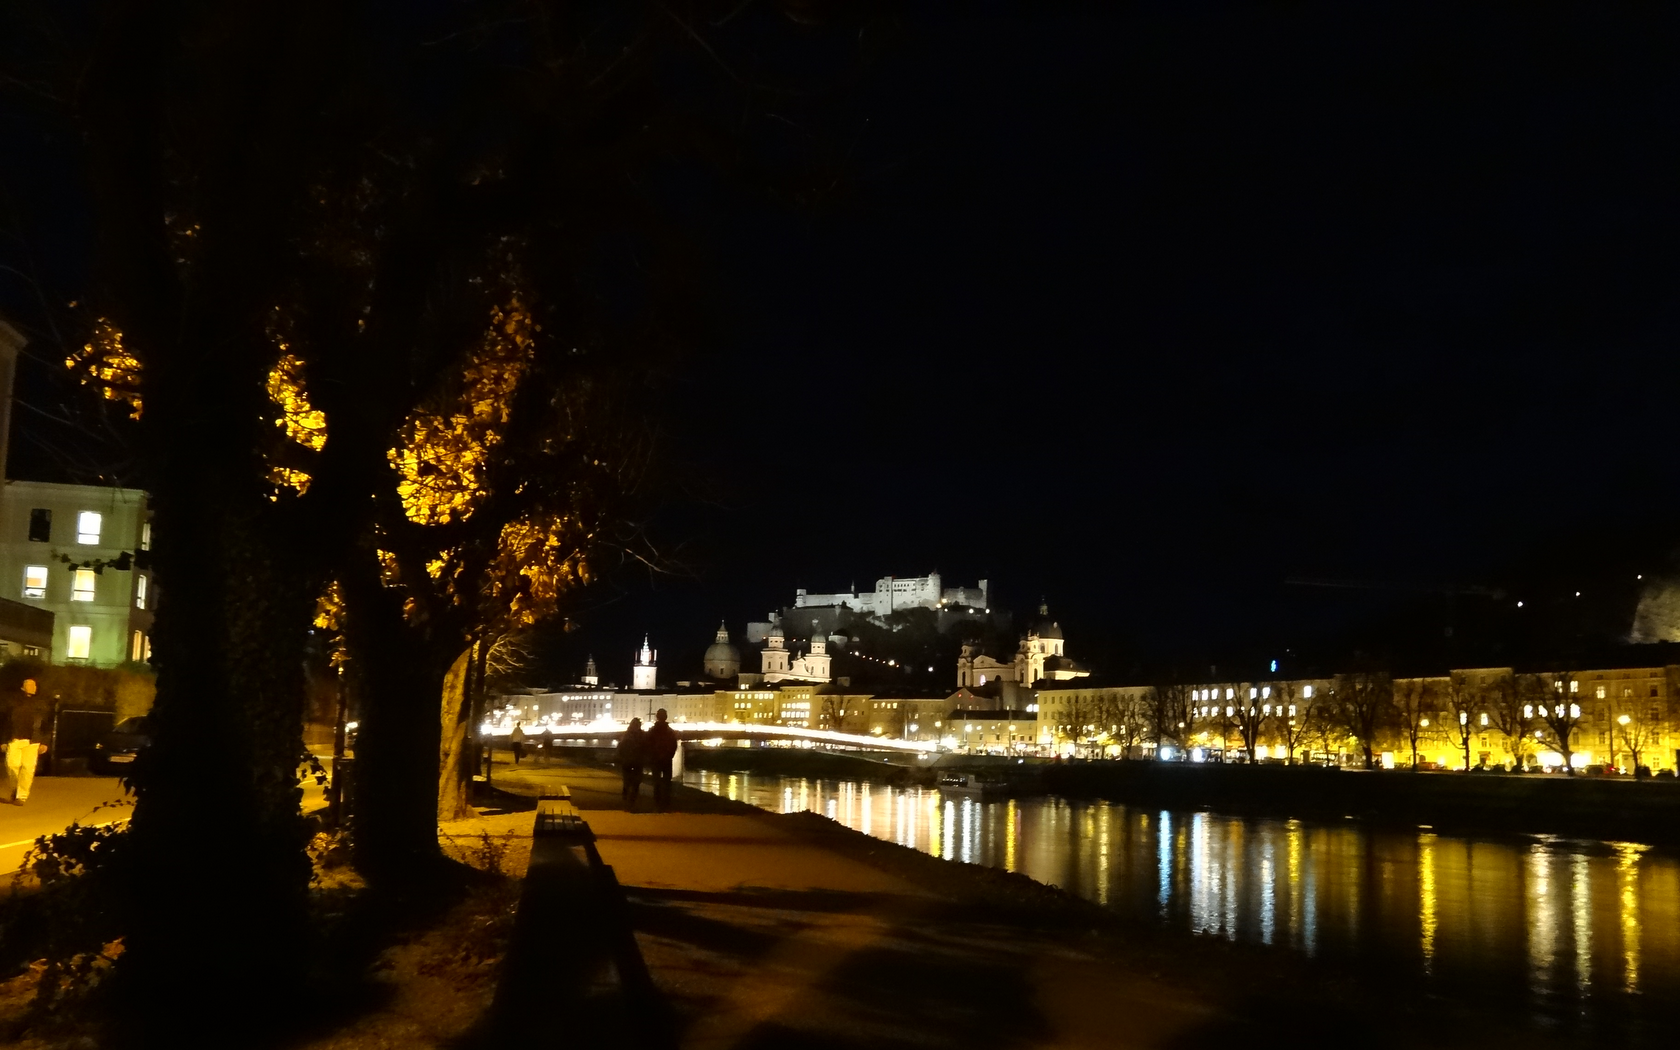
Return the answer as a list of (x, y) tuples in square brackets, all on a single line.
[(654, 749)]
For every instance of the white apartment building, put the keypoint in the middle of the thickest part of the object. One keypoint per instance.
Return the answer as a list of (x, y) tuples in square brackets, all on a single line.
[(80, 552)]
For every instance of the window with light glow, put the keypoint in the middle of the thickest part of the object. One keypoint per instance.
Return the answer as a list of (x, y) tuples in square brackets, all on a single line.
[(137, 651), (34, 581), (81, 641), (146, 536), (1306, 692), (139, 594), (82, 589), (88, 524)]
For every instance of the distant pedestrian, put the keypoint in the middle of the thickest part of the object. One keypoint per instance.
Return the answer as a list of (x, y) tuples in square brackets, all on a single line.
[(25, 717), (662, 748), (632, 754), (516, 740)]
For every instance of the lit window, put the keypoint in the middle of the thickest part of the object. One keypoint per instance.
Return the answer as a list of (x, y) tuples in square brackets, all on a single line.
[(139, 594), (34, 581), (138, 651), (81, 641), (146, 536), (82, 589), (1484, 718), (87, 527), (1306, 692)]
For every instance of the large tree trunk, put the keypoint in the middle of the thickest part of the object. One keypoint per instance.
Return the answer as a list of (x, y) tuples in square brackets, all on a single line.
[(219, 876), (400, 738), (456, 766)]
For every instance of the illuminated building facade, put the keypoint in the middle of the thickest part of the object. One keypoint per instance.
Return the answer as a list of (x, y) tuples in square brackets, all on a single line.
[(81, 553), (778, 664), (644, 673), (74, 560), (893, 593), (1041, 656), (1614, 719)]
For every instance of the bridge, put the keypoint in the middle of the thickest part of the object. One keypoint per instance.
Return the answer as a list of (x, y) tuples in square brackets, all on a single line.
[(604, 729)]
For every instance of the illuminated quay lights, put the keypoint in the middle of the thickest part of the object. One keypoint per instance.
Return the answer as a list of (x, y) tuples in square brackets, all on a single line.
[(606, 727)]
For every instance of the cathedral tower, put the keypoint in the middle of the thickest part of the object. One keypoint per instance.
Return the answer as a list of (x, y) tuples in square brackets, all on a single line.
[(645, 671)]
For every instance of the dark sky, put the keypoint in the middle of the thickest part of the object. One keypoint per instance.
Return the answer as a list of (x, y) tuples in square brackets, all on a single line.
[(1146, 315)]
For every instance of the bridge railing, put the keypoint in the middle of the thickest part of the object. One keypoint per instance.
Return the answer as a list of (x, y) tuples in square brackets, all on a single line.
[(606, 729)]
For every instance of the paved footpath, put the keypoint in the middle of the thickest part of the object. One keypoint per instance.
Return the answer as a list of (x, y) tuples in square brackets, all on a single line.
[(57, 802), (761, 936), (54, 804)]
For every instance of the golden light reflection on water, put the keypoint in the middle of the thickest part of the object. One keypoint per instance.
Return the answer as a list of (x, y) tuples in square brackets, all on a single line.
[(1627, 901), (1566, 920), (1426, 898)]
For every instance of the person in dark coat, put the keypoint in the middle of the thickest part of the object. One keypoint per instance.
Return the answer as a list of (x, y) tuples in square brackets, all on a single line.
[(632, 753), (662, 748), (25, 732), (516, 742)]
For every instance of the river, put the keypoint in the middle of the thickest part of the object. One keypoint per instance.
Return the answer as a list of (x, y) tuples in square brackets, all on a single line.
[(1571, 931)]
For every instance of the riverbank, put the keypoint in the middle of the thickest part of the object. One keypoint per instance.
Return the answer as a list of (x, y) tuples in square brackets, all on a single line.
[(1612, 808), (808, 762), (790, 930), (1618, 809)]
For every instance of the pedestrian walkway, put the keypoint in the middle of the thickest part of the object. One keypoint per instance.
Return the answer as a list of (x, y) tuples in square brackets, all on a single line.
[(759, 934), (54, 804)]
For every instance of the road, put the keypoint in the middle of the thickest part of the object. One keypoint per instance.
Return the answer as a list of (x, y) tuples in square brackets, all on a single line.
[(54, 804), (57, 802)]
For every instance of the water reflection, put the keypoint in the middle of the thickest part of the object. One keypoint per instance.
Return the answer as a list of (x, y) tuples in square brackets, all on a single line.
[(1567, 921)]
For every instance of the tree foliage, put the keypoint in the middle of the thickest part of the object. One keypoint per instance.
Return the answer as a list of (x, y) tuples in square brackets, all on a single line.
[(374, 283)]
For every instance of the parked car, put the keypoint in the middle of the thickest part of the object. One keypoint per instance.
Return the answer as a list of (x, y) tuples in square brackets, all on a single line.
[(114, 752)]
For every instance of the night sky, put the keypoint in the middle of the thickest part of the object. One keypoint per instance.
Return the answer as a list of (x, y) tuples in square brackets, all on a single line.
[(1147, 315)]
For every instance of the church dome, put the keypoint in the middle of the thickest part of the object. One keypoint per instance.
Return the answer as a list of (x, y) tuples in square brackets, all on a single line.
[(1046, 627), (722, 659)]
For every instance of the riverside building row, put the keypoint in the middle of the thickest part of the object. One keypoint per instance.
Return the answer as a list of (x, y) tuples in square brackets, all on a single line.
[(1617, 717), (1040, 702)]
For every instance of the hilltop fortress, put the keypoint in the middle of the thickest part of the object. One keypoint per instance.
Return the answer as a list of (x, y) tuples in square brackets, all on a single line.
[(892, 594), (829, 613)]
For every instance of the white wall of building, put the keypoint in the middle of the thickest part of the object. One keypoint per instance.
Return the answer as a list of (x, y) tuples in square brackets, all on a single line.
[(102, 618)]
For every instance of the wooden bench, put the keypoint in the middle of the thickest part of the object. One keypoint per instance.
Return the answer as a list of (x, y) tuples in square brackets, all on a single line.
[(556, 815)]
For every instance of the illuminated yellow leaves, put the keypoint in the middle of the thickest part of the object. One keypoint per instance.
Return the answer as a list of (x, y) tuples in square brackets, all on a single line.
[(535, 563), (303, 424), (105, 362), (301, 421), (443, 454), (329, 608), (388, 571)]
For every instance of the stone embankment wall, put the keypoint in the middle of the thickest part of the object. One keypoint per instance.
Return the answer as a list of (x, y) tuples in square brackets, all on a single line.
[(1588, 807), (799, 762)]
